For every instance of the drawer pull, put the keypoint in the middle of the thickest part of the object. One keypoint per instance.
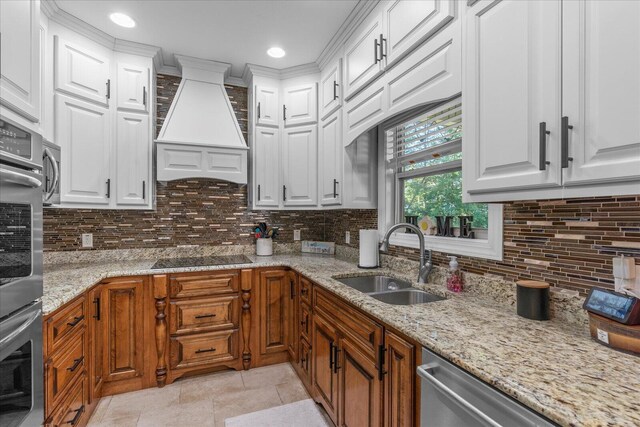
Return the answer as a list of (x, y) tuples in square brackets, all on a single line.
[(205, 350), (76, 418), (304, 291), (76, 363), (204, 316), (76, 320)]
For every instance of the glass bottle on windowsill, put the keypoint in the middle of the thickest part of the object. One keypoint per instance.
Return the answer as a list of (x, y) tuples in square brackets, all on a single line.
[(455, 281)]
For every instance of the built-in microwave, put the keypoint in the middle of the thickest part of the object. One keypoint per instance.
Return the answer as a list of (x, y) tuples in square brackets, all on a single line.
[(50, 173)]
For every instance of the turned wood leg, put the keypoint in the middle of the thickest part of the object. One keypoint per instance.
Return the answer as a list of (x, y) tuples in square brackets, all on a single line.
[(246, 318), (160, 295)]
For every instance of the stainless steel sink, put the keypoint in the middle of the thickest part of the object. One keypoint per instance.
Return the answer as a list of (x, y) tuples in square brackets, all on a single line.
[(370, 284), (406, 297)]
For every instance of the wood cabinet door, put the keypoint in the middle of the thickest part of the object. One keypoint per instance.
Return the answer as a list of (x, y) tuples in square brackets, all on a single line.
[(300, 105), (325, 380), (96, 340), (293, 307), (511, 84), (601, 90), (20, 57), (267, 106), (123, 331), (133, 161), (83, 72), (331, 88), (362, 55), (399, 382), (267, 167), (83, 131), (300, 161), (274, 299), (330, 160), (133, 87), (360, 388)]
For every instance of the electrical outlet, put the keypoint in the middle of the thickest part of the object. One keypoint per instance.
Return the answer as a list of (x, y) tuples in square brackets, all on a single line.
[(347, 237), (87, 240), (296, 235)]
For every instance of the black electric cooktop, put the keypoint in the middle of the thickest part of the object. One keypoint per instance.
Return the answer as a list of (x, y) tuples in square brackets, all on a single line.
[(200, 261)]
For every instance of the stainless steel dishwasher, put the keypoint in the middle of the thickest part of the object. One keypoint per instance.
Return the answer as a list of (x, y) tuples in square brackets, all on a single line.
[(451, 397)]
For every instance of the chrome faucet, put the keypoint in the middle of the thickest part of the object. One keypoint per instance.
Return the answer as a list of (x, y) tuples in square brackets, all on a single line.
[(425, 266)]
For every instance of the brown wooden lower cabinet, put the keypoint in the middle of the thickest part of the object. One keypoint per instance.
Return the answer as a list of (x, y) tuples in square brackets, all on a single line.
[(399, 381), (325, 377)]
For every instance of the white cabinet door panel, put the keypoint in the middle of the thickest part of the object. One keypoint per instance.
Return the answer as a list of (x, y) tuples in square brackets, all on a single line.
[(409, 22), (299, 161), (512, 83), (331, 89), (133, 87), (83, 131), (267, 167), (81, 72), (360, 172), (601, 90), (330, 160), (267, 106), (300, 105), (132, 159), (362, 56), (20, 57), (365, 110)]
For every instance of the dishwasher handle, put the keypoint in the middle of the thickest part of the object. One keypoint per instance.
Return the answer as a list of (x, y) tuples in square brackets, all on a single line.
[(426, 372)]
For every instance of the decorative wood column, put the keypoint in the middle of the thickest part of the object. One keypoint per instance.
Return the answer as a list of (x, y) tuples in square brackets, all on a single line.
[(246, 279), (160, 296)]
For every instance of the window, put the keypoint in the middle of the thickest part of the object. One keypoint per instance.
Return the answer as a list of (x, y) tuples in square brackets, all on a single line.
[(423, 159)]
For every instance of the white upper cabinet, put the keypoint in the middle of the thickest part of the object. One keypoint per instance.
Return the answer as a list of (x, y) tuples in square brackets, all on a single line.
[(601, 91), (133, 157), (133, 87), (330, 160), (331, 88), (266, 159), (360, 172), (299, 166), (300, 105), (267, 106), (82, 72), (409, 22), (82, 129), (362, 55), (511, 85), (20, 57)]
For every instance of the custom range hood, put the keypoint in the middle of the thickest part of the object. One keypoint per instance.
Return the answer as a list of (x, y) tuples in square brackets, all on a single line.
[(200, 137)]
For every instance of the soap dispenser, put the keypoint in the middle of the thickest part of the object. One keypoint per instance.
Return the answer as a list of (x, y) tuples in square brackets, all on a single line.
[(455, 281)]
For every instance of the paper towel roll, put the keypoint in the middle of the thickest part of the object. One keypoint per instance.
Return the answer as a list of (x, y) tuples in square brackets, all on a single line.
[(368, 249)]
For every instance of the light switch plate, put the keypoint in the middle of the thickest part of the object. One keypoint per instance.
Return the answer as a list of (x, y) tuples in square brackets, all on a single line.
[(296, 235), (87, 240)]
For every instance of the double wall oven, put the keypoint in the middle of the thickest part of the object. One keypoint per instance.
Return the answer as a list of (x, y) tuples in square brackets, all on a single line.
[(21, 370)]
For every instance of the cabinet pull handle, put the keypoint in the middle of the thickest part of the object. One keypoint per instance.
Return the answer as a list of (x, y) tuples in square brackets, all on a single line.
[(335, 359), (335, 191), (543, 146), (303, 323), (108, 88), (284, 112), (381, 371), (284, 193), (109, 188), (331, 355), (258, 110), (258, 192), (76, 417), (205, 350), (76, 320), (335, 90), (564, 143), (204, 316), (376, 48), (383, 47), (96, 301), (304, 291), (292, 289), (76, 363), (144, 96)]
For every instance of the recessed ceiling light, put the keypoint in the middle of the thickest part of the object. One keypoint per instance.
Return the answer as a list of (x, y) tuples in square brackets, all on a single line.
[(123, 20), (276, 52)]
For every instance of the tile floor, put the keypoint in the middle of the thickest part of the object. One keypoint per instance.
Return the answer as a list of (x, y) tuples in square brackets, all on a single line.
[(202, 401)]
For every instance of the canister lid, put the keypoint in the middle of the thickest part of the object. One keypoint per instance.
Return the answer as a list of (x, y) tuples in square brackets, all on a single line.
[(532, 284)]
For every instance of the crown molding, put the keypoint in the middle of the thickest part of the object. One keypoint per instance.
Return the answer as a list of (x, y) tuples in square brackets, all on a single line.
[(359, 13), (134, 48), (252, 70), (168, 69), (299, 70), (235, 81)]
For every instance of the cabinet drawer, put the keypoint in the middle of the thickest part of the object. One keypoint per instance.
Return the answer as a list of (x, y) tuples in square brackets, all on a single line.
[(203, 349), (61, 325), (64, 366), (203, 284), (305, 321), (305, 290), (72, 410), (362, 329), (203, 314)]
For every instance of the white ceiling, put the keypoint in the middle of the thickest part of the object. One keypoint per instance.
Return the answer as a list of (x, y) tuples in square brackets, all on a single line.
[(237, 32)]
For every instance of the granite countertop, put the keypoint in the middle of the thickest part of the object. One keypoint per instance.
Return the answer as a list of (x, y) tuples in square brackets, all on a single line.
[(552, 367)]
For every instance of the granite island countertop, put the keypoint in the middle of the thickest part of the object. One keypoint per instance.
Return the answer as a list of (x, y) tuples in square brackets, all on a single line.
[(552, 367)]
